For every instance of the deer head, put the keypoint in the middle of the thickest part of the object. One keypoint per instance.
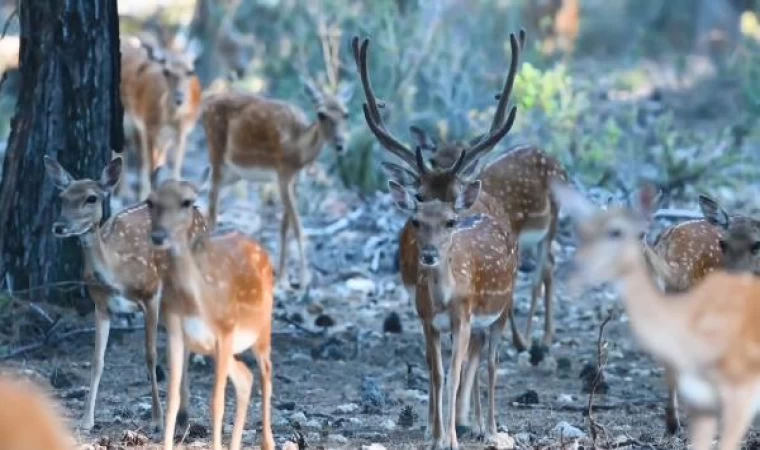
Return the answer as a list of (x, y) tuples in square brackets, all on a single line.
[(178, 71), (740, 244), (332, 112), (82, 200), (171, 207)]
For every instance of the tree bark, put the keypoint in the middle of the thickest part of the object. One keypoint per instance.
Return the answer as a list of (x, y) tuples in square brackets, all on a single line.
[(69, 108)]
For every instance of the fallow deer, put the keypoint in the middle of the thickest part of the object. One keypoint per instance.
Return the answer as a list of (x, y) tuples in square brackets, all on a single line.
[(247, 133), (225, 288), (458, 260), (29, 419), (161, 94), (707, 336), (690, 250), (121, 270)]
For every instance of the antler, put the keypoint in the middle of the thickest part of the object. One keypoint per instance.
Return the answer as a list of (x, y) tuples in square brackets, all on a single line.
[(499, 127), (372, 112)]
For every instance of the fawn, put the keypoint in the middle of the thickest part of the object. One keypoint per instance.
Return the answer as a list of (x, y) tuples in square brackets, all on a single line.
[(247, 133), (224, 288), (709, 346), (690, 250), (121, 269), (29, 420), (160, 93), (457, 259)]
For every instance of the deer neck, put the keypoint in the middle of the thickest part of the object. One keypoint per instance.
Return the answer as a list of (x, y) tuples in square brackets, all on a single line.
[(440, 282), (96, 255), (183, 273), (312, 142)]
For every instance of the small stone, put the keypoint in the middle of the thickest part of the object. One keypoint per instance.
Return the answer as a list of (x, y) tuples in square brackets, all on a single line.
[(338, 438), (312, 423), (347, 408), (289, 445), (523, 438), (530, 397), (565, 398), (373, 446), (298, 417), (361, 285), (355, 421), (501, 441), (392, 323), (565, 430), (388, 424)]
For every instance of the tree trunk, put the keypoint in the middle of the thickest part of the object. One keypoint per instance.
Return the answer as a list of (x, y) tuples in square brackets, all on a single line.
[(69, 108)]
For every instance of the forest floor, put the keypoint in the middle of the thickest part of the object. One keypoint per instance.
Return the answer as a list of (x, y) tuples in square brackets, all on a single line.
[(347, 386)]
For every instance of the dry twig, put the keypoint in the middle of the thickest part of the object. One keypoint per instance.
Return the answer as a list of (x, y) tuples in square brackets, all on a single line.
[(601, 363)]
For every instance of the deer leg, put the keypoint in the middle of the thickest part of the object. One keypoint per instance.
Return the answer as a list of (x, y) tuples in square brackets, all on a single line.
[(517, 339), (702, 428), (150, 310), (494, 335), (460, 341), (213, 196), (282, 272), (102, 329), (146, 160), (538, 279), (304, 274), (470, 376), (242, 379), (547, 276), (672, 423), (223, 357), (176, 362), (183, 417), (262, 352), (737, 407), (435, 390), (179, 152)]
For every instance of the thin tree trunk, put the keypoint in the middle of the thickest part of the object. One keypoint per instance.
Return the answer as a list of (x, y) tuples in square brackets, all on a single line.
[(68, 108)]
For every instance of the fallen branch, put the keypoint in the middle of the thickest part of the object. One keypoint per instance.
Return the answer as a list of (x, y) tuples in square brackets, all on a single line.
[(601, 363), (289, 321), (58, 338)]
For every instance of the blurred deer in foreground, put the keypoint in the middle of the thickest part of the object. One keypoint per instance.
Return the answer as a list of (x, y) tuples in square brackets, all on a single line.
[(684, 254), (519, 180), (225, 287), (29, 420), (248, 133), (458, 261), (121, 270), (161, 95), (706, 336)]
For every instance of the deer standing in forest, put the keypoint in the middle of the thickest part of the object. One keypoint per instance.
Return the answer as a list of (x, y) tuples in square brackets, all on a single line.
[(29, 419), (121, 270), (706, 336), (458, 260), (683, 254), (247, 133), (225, 287), (161, 95)]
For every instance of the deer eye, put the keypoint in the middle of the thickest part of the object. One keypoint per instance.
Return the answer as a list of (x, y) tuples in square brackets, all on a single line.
[(722, 245), (149, 203), (190, 72), (451, 223), (419, 197), (615, 233), (91, 199), (187, 203), (167, 73), (415, 223), (755, 247)]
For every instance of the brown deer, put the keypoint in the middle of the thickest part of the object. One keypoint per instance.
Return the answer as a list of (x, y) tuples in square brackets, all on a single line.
[(706, 336), (690, 250), (518, 179), (29, 419), (161, 94), (458, 263), (225, 288), (247, 133), (121, 269)]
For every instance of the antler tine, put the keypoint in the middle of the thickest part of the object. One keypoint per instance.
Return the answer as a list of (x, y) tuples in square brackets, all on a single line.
[(500, 128), (457, 166), (371, 107), (420, 160)]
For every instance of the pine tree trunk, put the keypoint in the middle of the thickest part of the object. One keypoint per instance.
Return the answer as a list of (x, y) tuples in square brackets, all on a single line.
[(68, 108)]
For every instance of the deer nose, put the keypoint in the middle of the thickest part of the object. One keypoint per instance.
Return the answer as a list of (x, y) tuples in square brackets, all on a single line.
[(429, 257), (59, 228), (178, 98), (158, 237)]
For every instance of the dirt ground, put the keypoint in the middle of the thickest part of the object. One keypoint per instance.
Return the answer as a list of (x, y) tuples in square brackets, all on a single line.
[(354, 384)]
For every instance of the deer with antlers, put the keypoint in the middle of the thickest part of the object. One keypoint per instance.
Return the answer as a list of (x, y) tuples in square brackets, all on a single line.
[(518, 179), (709, 346), (683, 255), (247, 133), (121, 270), (225, 287), (161, 95), (458, 259)]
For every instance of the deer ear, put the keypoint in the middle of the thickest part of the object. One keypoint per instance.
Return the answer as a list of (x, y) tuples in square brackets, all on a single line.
[(647, 199), (159, 176), (346, 92), (572, 202), (405, 177), (111, 173), (61, 178), (468, 196), (402, 197), (713, 212)]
